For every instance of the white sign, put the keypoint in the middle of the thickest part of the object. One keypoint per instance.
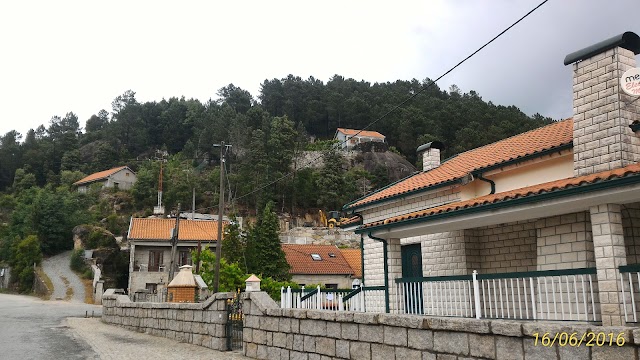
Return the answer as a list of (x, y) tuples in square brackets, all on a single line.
[(630, 82)]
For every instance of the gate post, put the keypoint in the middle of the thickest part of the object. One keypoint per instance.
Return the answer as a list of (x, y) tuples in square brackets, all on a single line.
[(476, 294)]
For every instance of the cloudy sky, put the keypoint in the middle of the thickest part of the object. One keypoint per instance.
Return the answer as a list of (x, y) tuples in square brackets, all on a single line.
[(61, 56)]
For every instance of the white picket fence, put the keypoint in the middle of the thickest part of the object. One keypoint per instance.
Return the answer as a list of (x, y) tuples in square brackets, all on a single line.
[(536, 295), (630, 291), (330, 299)]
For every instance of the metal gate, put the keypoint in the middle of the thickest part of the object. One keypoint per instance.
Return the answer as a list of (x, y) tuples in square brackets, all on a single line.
[(235, 318)]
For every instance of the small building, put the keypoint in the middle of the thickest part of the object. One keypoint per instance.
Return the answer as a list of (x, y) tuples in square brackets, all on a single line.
[(319, 264), (150, 249), (119, 178), (349, 138), (183, 287)]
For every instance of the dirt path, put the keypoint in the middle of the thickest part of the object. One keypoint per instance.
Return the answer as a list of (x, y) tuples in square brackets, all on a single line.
[(66, 284)]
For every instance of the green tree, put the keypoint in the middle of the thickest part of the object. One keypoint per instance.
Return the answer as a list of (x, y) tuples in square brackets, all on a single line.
[(234, 244), (264, 252), (25, 255), (331, 182)]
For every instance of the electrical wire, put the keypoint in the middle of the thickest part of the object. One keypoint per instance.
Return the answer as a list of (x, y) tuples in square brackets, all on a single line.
[(424, 88)]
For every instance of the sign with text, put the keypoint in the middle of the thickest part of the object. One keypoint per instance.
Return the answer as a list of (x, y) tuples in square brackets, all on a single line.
[(630, 82)]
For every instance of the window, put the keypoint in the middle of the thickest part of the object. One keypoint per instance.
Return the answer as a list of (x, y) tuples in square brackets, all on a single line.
[(116, 185), (126, 174), (155, 260), (332, 255), (331, 286), (316, 257), (152, 288), (184, 258)]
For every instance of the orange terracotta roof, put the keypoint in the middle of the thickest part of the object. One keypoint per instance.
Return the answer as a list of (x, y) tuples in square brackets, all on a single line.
[(99, 175), (160, 229), (299, 258), (529, 143), (354, 259), (529, 191), (354, 220), (364, 133)]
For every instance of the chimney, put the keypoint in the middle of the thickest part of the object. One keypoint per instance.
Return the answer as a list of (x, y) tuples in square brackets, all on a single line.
[(430, 154), (602, 111)]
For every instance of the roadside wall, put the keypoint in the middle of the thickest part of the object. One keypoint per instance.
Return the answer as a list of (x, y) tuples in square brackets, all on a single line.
[(200, 324), (274, 333)]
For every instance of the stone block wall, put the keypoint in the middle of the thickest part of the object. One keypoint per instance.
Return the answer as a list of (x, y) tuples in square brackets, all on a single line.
[(602, 112), (274, 333), (631, 227), (565, 242), (445, 254), (505, 248), (200, 324)]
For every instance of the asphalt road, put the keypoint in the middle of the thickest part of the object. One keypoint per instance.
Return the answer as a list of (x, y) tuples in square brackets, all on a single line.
[(31, 328), (64, 280)]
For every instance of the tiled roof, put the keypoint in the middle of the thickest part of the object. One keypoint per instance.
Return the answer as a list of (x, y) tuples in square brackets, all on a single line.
[(354, 259), (529, 143), (299, 258), (364, 133), (160, 229), (354, 220), (99, 175), (529, 191)]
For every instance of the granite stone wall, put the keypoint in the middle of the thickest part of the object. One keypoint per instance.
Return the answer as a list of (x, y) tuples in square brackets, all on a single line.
[(274, 333), (200, 324)]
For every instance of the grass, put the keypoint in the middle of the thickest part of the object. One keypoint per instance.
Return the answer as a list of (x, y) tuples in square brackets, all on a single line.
[(88, 290)]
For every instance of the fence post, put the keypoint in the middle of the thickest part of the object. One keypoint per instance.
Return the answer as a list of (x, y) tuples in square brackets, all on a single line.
[(340, 304), (299, 299), (362, 299), (476, 294), (318, 299), (533, 299), (289, 298), (282, 299)]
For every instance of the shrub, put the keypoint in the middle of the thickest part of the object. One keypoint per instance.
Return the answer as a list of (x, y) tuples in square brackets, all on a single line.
[(77, 261)]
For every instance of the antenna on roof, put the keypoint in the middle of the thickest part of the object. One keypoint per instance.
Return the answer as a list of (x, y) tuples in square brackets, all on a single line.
[(159, 210)]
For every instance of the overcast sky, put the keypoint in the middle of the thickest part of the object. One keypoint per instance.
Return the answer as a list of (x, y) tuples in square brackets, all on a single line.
[(61, 56)]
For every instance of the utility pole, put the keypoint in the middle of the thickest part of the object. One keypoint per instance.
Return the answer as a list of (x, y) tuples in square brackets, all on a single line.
[(174, 245), (216, 281)]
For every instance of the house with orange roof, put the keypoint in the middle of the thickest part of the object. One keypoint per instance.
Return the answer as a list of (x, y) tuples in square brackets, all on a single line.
[(543, 225), (150, 249), (325, 265), (121, 177), (348, 138)]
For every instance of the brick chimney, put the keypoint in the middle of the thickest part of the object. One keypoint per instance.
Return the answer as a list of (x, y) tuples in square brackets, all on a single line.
[(602, 113), (430, 154)]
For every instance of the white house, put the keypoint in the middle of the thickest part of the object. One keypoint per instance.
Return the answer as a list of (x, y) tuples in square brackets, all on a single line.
[(349, 138), (543, 225), (119, 178)]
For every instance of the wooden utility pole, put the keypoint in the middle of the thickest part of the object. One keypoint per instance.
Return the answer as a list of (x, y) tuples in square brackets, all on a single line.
[(174, 245), (216, 281)]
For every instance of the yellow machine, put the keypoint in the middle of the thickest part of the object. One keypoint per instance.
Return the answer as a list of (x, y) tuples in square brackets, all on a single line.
[(331, 219)]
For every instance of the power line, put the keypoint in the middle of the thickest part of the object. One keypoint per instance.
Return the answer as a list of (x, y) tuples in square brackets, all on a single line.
[(424, 88)]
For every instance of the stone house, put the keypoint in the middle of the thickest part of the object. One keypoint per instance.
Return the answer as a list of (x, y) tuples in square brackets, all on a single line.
[(150, 249), (320, 264), (548, 219), (119, 178), (349, 138)]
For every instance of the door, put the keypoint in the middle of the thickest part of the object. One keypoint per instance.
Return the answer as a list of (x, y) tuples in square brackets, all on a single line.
[(412, 269)]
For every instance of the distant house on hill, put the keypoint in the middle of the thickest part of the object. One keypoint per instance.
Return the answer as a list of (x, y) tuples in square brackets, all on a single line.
[(320, 264), (349, 138), (120, 178)]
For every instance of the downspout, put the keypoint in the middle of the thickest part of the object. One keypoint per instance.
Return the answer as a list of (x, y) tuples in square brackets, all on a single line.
[(386, 270), (491, 182)]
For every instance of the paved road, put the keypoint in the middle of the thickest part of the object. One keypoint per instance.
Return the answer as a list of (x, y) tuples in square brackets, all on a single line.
[(31, 328), (58, 270)]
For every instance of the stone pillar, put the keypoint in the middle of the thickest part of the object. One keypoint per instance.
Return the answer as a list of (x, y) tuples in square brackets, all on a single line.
[(132, 260), (394, 266), (602, 139), (610, 253)]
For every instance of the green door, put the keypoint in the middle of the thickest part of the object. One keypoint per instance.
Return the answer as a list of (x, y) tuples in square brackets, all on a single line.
[(412, 268)]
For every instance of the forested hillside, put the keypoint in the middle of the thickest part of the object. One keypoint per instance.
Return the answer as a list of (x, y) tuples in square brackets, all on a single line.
[(39, 206), (266, 133)]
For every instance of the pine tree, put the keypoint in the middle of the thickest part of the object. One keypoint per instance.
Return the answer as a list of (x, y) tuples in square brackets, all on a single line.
[(264, 253), (234, 244)]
